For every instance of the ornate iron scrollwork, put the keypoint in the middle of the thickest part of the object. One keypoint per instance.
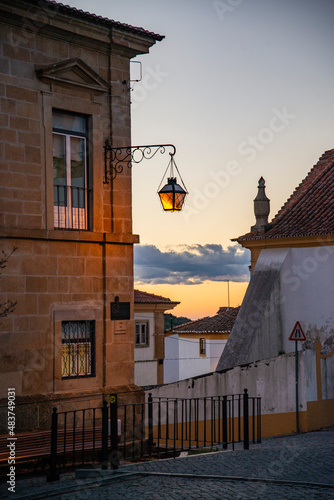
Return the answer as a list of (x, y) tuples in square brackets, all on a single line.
[(116, 158)]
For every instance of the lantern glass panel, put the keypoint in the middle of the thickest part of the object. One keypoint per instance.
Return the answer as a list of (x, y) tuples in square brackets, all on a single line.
[(167, 201)]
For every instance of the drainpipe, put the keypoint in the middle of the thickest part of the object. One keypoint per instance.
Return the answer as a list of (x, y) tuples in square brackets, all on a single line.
[(104, 292), (110, 130), (104, 277)]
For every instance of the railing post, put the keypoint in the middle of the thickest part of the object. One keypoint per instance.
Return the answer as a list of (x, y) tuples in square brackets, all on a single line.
[(175, 428), (113, 432), (259, 420), (53, 476), (224, 422), (246, 421), (150, 421), (105, 435), (204, 409), (133, 430)]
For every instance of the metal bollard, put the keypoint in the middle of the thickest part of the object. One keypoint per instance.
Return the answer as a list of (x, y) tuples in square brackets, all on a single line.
[(105, 435), (114, 459), (53, 476)]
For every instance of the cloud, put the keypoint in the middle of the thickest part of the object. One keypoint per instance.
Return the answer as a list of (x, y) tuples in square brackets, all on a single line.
[(190, 264)]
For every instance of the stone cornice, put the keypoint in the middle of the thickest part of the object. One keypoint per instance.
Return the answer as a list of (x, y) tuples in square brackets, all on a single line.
[(298, 241), (154, 307), (89, 33), (60, 235)]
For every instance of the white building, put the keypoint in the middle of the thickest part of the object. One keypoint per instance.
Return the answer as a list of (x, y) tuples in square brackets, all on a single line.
[(195, 348), (149, 312), (292, 281)]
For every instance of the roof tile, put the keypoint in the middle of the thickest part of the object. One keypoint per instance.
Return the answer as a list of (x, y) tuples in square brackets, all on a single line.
[(150, 298), (220, 323), (310, 209), (99, 19)]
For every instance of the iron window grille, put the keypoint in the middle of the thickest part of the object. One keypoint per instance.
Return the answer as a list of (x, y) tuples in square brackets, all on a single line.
[(202, 347), (78, 349), (141, 334)]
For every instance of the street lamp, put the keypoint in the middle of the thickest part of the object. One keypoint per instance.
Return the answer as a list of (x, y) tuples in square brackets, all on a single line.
[(172, 195)]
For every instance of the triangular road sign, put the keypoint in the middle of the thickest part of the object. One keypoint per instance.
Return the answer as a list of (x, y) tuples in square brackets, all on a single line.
[(297, 333)]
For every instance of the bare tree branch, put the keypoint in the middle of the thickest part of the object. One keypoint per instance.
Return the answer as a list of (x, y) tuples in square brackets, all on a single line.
[(8, 306)]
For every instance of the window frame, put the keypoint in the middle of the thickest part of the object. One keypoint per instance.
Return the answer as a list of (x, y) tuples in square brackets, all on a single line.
[(146, 343), (65, 212), (202, 347), (74, 354)]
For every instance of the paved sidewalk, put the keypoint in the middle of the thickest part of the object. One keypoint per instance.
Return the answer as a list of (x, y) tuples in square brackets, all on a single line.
[(289, 467)]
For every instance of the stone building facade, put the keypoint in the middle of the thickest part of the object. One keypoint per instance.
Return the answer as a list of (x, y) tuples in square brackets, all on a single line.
[(64, 92)]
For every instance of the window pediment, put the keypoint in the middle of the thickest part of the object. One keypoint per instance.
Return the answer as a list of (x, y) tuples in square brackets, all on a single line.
[(73, 72)]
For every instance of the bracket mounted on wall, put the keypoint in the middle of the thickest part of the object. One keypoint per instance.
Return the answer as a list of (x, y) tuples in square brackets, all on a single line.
[(115, 158)]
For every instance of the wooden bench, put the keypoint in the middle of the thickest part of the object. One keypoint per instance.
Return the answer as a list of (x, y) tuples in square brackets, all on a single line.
[(35, 446)]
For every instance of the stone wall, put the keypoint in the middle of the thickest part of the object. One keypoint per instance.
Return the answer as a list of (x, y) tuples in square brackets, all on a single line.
[(33, 413), (273, 380), (51, 59)]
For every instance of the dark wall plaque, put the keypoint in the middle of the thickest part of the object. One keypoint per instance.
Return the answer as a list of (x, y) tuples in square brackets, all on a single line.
[(119, 310)]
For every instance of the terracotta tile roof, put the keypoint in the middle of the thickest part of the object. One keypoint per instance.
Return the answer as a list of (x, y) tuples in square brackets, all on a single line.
[(220, 323), (150, 298), (310, 209), (223, 309), (97, 19)]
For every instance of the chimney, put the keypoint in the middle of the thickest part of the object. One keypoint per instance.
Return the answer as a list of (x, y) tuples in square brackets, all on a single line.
[(261, 208)]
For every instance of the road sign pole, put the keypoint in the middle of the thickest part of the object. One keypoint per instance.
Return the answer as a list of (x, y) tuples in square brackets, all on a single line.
[(297, 335), (297, 403)]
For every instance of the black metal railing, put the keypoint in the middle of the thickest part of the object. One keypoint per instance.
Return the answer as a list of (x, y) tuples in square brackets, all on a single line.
[(159, 427), (76, 438), (71, 206)]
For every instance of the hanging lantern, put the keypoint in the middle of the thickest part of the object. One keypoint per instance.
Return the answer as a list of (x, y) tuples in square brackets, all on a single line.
[(172, 195)]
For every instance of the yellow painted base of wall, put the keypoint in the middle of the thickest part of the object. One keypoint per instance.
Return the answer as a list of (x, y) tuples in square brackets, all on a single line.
[(319, 414), (277, 424)]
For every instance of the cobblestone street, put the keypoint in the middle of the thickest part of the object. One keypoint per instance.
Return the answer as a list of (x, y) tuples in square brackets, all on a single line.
[(292, 467)]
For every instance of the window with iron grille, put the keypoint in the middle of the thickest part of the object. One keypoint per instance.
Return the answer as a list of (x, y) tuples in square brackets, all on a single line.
[(202, 347), (141, 333), (78, 349), (70, 171)]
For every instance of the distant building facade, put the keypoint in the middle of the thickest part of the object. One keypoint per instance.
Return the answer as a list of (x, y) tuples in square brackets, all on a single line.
[(194, 348), (292, 280), (149, 310), (64, 92)]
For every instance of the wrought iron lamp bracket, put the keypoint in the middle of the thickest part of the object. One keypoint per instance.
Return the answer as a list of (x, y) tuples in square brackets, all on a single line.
[(116, 158)]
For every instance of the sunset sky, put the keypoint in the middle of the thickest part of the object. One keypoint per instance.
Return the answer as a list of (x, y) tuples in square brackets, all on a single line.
[(242, 88)]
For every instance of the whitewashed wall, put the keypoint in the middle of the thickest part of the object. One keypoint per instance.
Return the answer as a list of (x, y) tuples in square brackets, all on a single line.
[(145, 364), (146, 373), (273, 380), (182, 359), (171, 361), (215, 348), (288, 285), (307, 293)]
